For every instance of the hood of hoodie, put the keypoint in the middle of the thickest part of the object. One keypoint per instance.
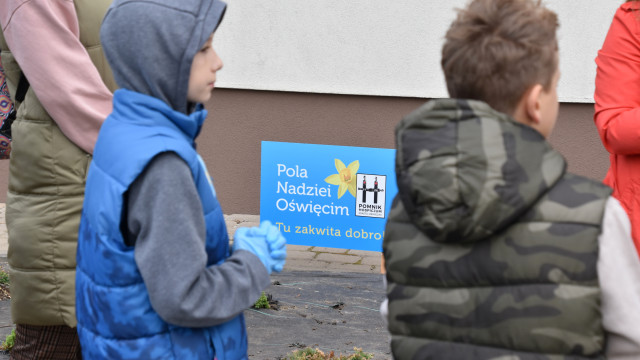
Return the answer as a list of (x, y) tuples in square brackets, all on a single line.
[(466, 171), (150, 44)]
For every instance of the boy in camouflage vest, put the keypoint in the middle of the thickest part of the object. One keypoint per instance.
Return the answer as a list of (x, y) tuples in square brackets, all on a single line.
[(493, 250)]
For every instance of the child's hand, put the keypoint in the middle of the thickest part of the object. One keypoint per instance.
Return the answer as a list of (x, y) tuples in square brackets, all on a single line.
[(266, 242), (250, 240), (277, 245)]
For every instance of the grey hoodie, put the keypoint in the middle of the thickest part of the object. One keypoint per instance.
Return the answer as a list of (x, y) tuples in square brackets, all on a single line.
[(177, 29)]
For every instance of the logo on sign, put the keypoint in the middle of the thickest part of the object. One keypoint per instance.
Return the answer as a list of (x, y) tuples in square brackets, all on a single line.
[(371, 199)]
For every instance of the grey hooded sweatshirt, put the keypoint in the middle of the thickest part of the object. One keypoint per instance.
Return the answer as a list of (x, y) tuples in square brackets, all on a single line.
[(150, 46)]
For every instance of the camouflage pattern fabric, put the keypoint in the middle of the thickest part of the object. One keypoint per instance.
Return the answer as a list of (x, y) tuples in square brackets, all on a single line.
[(490, 248)]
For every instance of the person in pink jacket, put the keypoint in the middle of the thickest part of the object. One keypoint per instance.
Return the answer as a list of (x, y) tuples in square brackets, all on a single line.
[(617, 108), (55, 45)]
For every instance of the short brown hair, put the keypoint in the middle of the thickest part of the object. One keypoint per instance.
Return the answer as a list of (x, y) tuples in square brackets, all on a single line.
[(496, 50)]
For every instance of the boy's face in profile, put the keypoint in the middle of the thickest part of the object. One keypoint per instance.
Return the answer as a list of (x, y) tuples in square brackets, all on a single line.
[(202, 77), (548, 101)]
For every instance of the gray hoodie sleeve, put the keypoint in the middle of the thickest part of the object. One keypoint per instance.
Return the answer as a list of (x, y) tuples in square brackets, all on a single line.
[(619, 275), (165, 224)]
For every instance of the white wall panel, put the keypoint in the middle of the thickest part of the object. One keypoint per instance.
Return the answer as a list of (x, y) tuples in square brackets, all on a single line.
[(374, 47)]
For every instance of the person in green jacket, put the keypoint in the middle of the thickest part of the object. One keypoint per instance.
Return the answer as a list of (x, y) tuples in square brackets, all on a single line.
[(55, 44), (492, 249)]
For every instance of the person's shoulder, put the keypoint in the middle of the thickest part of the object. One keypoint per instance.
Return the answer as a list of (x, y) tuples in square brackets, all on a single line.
[(630, 6), (168, 160), (576, 198), (167, 166), (580, 190), (628, 13), (588, 184)]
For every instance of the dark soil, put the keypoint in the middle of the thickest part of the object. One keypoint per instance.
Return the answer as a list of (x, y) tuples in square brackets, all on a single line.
[(330, 311)]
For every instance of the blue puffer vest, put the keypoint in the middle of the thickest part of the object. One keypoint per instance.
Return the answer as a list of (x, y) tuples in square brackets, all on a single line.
[(115, 317)]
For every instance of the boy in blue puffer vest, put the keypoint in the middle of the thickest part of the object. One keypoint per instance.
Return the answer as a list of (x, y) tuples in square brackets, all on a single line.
[(155, 277)]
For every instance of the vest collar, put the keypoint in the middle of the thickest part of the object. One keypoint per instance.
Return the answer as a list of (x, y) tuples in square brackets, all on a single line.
[(145, 110)]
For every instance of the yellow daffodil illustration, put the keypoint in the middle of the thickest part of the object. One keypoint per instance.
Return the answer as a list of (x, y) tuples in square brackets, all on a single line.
[(345, 178)]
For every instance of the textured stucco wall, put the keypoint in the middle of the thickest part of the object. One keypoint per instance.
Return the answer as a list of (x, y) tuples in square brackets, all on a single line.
[(375, 47)]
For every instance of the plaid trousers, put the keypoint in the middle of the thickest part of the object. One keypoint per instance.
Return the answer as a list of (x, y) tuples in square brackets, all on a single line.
[(46, 342)]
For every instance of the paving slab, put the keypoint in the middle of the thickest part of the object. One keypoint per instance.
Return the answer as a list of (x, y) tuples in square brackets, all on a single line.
[(365, 253), (308, 265), (302, 255), (375, 260), (355, 268), (338, 258), (299, 247), (329, 250)]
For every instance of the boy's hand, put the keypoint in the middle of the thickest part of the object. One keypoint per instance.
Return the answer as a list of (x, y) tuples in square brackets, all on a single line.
[(277, 245), (247, 239), (265, 242)]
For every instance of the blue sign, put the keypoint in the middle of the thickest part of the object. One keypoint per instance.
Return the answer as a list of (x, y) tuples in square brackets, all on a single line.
[(328, 196)]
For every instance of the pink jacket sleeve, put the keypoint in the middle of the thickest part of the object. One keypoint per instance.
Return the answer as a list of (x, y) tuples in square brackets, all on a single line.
[(617, 95), (43, 35)]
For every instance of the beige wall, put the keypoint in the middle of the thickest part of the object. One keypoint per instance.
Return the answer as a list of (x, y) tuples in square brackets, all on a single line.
[(240, 119)]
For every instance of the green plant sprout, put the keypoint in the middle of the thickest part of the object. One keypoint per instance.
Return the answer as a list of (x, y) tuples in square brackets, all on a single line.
[(4, 277), (7, 344), (262, 302), (317, 354)]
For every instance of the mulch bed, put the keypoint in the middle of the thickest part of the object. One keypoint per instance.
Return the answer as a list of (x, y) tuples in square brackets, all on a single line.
[(4, 292)]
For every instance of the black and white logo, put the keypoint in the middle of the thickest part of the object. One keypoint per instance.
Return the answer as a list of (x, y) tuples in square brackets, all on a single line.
[(370, 197)]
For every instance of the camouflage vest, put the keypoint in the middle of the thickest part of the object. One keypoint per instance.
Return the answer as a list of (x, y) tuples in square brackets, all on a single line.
[(491, 248), (46, 187)]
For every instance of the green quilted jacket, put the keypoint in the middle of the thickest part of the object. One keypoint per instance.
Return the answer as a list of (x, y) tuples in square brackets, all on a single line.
[(46, 189)]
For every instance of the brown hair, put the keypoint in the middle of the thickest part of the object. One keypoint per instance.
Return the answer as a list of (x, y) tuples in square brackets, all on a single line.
[(496, 50)]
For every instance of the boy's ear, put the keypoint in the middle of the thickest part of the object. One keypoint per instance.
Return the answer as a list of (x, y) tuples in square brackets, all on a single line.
[(532, 103)]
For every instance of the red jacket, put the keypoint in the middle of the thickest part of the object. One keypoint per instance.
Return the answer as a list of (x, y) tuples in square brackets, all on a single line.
[(617, 109)]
